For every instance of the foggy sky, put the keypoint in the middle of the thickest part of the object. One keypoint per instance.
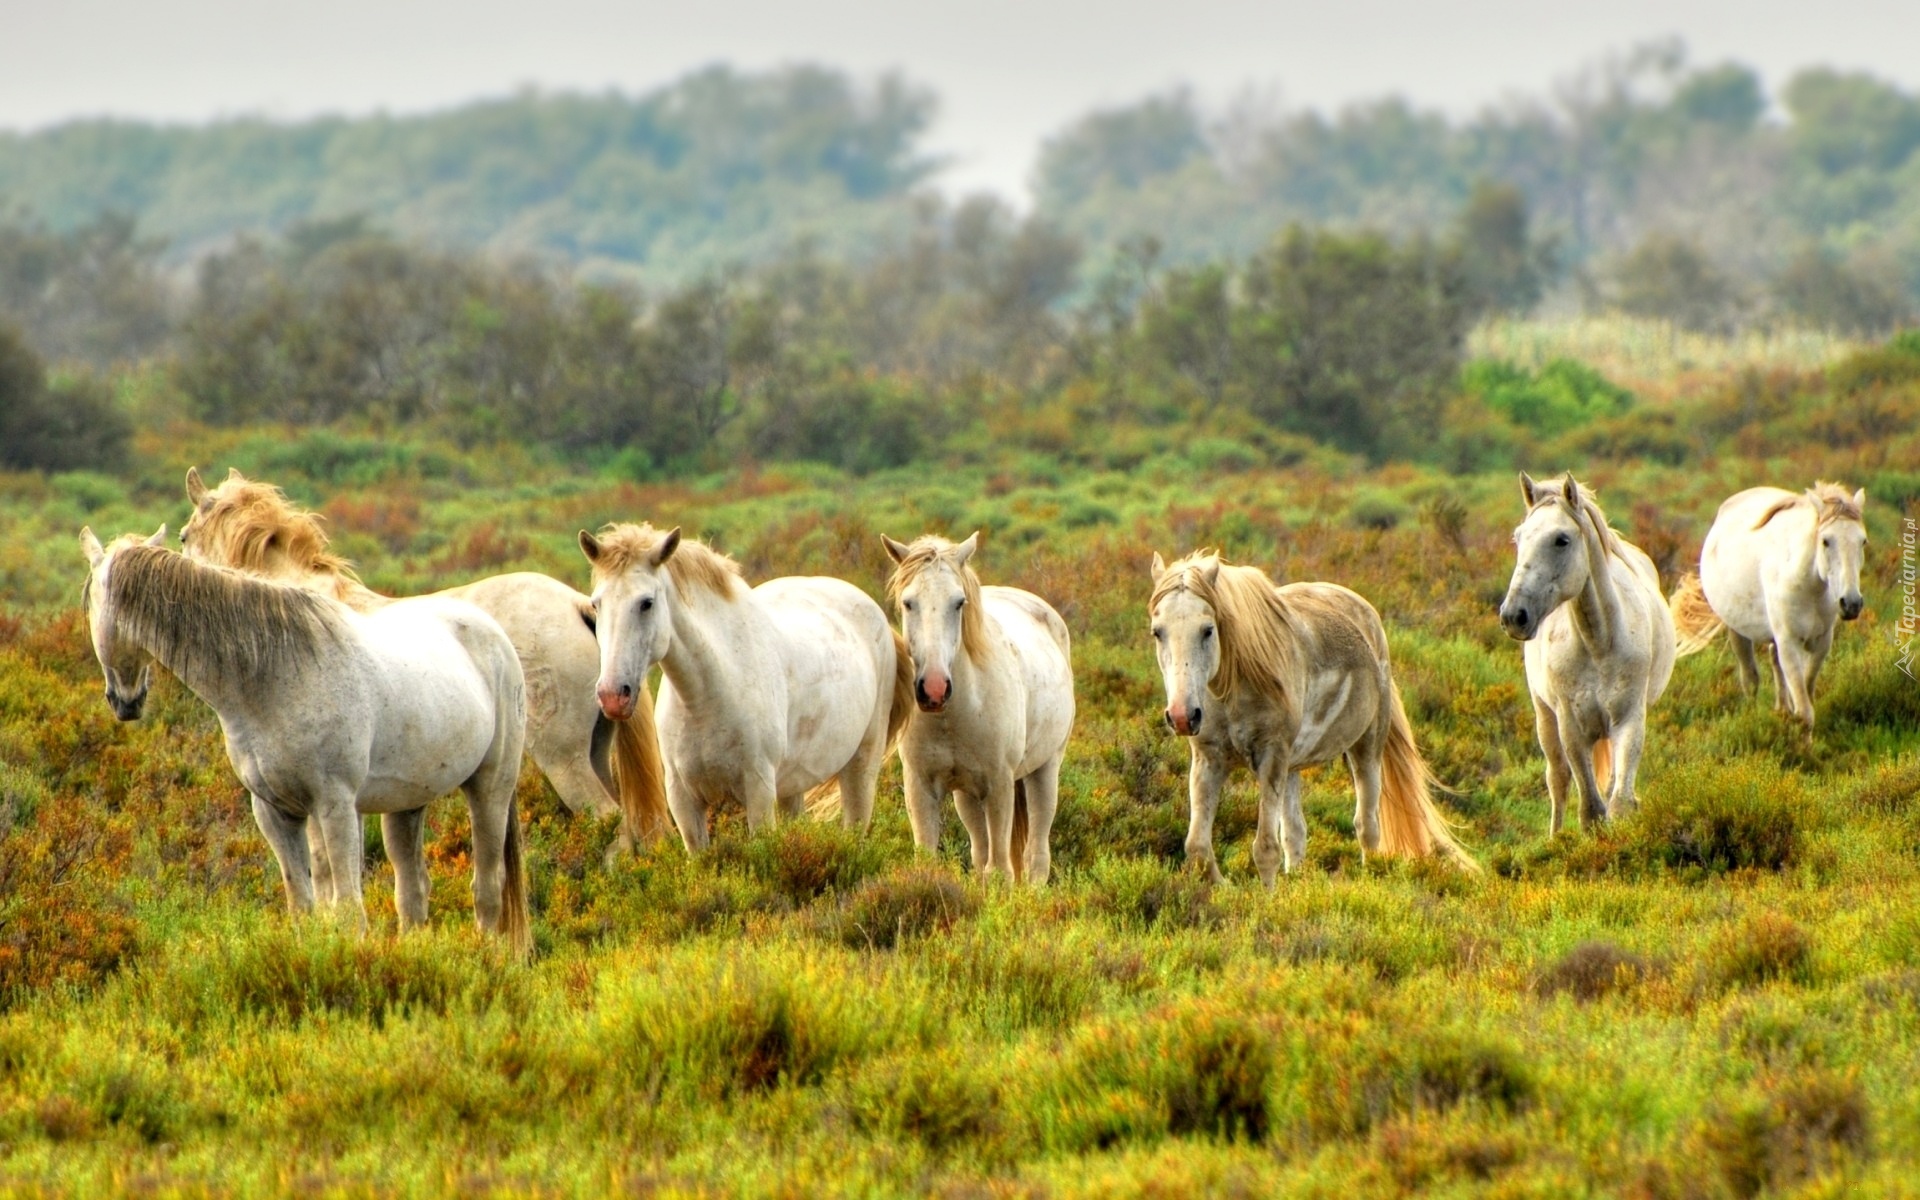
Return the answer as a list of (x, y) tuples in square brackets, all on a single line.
[(1008, 72)]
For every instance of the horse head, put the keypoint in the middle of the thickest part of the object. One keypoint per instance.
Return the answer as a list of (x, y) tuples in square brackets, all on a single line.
[(1841, 547), (128, 668), (1552, 565), (631, 617), (1185, 637), (934, 589)]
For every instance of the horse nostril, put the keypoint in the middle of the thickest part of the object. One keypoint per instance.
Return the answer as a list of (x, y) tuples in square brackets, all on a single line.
[(1193, 718), (1519, 618), (626, 691)]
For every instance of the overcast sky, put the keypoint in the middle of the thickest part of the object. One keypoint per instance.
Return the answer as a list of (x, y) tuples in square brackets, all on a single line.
[(1008, 71)]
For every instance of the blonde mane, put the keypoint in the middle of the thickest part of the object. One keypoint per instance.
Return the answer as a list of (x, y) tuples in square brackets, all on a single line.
[(693, 567), (1590, 510), (1259, 638), (923, 553), (205, 620), (1830, 501), (253, 527)]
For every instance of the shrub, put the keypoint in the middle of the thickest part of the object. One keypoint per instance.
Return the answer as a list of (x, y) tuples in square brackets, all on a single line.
[(1147, 894), (1717, 821), (804, 860), (1219, 1069), (1805, 1126), (1376, 508), (1395, 1070), (941, 1099), (70, 424), (1765, 947), (1592, 970), (901, 906), (1196, 1070), (1563, 395)]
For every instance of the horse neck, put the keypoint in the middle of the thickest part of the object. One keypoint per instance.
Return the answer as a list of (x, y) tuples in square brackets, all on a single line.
[(1596, 610), (703, 659)]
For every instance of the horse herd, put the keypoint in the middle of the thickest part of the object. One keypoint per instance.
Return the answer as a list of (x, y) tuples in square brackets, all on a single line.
[(337, 702)]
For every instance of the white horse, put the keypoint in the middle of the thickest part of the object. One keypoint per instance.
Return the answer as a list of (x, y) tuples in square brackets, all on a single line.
[(1777, 570), (993, 676), (1600, 646), (768, 693), (595, 765), (1279, 679), (329, 714)]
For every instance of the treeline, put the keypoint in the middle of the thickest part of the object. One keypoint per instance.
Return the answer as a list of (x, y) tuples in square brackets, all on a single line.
[(961, 332), (1665, 187)]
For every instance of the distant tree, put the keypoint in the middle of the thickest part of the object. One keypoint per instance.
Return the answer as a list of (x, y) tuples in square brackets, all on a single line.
[(1503, 267), (69, 425), (1820, 290), (1189, 327), (1123, 147), (1670, 278), (1729, 96), (1351, 339), (93, 294), (1843, 122)]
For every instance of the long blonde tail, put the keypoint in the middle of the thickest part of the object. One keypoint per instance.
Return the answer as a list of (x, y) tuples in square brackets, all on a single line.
[(640, 777), (514, 921), (1694, 621), (1410, 824)]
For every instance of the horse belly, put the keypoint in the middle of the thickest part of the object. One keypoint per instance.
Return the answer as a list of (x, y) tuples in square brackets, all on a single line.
[(832, 641), (436, 722), (1047, 680), (1339, 708)]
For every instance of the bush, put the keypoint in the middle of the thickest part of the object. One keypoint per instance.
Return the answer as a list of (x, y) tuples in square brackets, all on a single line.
[(1718, 821), (1765, 947), (67, 425), (900, 907), (1806, 1126), (1592, 970), (941, 1099), (1564, 395)]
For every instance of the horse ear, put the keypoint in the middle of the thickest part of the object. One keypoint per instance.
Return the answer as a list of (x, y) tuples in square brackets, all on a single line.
[(964, 550), (1571, 491), (159, 537), (590, 546), (233, 473), (196, 487), (667, 546), (1528, 488), (897, 551), (91, 547), (1159, 566), (1211, 571), (1860, 500)]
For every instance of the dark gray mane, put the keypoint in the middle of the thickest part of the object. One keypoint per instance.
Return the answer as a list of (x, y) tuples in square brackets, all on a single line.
[(205, 620)]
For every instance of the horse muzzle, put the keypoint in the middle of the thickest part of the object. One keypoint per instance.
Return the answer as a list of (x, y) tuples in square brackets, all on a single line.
[(1183, 721), (1851, 607), (932, 691), (130, 708), (1520, 623), (616, 702)]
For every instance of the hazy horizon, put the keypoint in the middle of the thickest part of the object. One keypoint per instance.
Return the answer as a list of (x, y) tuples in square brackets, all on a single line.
[(1007, 75)]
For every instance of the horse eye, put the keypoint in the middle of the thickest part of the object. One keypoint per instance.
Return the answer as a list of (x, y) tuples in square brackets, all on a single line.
[(1159, 634), (907, 605), (959, 604), (1206, 633), (646, 603), (1563, 540), (593, 602)]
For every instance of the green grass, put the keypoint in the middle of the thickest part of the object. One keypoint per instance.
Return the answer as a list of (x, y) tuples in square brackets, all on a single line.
[(1718, 996)]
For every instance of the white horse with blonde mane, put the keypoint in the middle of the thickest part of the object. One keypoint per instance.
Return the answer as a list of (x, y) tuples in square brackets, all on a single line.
[(1777, 570), (595, 765), (330, 714), (1599, 646), (767, 694), (1280, 679), (993, 678)]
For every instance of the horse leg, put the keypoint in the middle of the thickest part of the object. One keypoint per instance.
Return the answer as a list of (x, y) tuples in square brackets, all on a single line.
[(791, 807), (1629, 739), (1000, 826), (490, 807), (973, 814), (861, 777), (1782, 696), (1204, 777), (1363, 764), (322, 869), (403, 833), (1579, 754), (1743, 658), (339, 821), (560, 740), (689, 812), (287, 836), (1816, 658), (1279, 810), (923, 807), (1043, 797), (1797, 666), (1546, 727)]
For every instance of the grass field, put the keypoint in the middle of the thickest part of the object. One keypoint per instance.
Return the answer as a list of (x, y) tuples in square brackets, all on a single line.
[(1719, 996)]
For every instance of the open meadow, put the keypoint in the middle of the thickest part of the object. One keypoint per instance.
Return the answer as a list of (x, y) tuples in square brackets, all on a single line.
[(1719, 996)]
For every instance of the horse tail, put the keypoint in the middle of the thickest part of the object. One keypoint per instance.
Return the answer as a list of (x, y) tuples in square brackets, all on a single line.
[(640, 777), (1410, 823), (514, 921), (903, 702), (1017, 845), (823, 800), (1694, 621), (1603, 763)]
